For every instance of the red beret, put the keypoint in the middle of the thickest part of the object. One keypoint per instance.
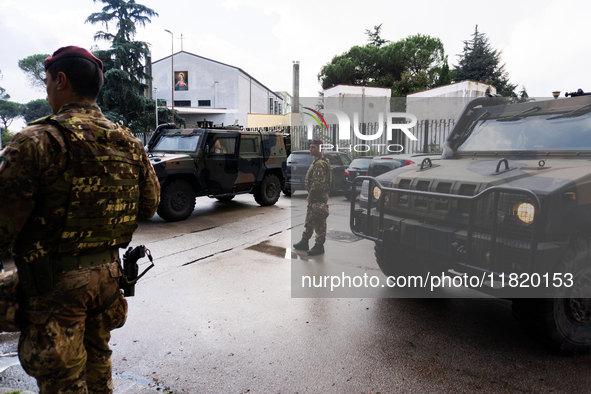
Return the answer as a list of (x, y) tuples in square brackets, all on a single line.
[(72, 51), (316, 142)]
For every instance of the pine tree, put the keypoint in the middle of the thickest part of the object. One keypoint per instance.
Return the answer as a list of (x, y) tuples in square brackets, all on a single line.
[(124, 62), (479, 62)]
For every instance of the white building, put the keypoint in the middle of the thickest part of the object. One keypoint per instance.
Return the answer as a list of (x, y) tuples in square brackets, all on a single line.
[(367, 101), (447, 101), (287, 102), (212, 92)]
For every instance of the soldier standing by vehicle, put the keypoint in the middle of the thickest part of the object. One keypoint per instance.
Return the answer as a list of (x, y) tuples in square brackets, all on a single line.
[(72, 186), (318, 180)]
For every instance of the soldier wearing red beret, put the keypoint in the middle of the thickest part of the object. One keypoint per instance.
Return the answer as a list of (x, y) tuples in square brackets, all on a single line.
[(72, 186)]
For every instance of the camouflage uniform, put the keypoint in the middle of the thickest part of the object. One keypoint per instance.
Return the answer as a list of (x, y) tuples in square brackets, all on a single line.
[(318, 180), (71, 194)]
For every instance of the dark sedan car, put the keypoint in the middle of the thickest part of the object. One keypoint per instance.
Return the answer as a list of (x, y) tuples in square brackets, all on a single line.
[(357, 168), (299, 161)]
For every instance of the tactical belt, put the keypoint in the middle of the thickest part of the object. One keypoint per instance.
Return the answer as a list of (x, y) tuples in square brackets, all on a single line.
[(38, 277), (73, 263)]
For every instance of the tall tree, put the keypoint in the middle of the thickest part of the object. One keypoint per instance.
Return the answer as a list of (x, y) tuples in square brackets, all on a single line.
[(35, 109), (3, 94), (34, 67), (374, 37), (9, 111), (410, 83), (124, 62), (423, 53), (479, 62), (445, 75), (382, 66)]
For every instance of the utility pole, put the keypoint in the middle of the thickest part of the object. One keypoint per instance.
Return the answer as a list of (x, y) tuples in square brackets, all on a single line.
[(172, 71)]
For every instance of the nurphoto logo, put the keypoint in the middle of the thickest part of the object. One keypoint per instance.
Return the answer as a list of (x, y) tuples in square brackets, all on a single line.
[(344, 133)]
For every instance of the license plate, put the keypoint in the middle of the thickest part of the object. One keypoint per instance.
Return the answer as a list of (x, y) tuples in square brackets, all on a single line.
[(296, 179)]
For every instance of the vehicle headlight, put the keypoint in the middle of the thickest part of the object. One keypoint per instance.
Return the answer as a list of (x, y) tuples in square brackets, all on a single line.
[(525, 212), (377, 193)]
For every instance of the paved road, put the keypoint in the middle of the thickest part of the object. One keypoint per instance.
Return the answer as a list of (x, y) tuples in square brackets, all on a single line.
[(217, 315)]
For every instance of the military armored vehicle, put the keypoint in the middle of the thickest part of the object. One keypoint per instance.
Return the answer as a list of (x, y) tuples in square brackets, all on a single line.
[(218, 163), (508, 203)]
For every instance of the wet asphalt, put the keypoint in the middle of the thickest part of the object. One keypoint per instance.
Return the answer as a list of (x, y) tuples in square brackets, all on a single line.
[(221, 313)]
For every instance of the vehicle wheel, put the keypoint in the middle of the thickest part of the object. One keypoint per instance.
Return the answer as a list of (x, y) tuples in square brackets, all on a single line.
[(225, 198), (287, 192), (268, 191), (563, 320), (177, 201)]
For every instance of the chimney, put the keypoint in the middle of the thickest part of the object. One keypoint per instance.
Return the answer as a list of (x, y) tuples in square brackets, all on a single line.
[(296, 87)]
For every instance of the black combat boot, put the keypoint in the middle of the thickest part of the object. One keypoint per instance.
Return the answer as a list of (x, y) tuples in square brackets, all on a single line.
[(316, 249), (302, 245)]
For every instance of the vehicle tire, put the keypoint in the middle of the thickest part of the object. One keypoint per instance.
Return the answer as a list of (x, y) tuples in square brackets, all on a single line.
[(225, 198), (177, 201), (563, 320), (267, 193)]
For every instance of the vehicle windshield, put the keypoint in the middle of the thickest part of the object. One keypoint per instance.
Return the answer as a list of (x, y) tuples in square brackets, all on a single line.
[(360, 163), (531, 133), (300, 158), (182, 143)]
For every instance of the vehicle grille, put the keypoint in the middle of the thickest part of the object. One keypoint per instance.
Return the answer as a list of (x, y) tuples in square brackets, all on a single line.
[(496, 241)]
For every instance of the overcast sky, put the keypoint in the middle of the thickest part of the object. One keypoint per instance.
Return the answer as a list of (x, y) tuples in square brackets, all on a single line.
[(544, 43)]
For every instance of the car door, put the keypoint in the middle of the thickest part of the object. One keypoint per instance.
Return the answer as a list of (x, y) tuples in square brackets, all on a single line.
[(250, 161), (221, 163)]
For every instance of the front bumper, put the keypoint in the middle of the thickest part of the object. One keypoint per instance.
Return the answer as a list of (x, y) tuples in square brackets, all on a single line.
[(472, 234)]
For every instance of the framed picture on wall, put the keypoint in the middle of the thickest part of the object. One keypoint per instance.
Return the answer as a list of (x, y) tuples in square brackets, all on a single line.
[(181, 80)]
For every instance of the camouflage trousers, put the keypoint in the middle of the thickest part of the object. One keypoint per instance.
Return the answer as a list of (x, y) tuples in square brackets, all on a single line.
[(316, 222), (64, 340)]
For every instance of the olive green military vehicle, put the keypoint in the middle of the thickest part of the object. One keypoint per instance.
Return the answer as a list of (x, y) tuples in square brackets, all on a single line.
[(218, 163), (508, 206)]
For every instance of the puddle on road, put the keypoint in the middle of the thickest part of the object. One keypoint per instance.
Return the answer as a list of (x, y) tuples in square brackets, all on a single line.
[(140, 380), (342, 236), (267, 248), (8, 360)]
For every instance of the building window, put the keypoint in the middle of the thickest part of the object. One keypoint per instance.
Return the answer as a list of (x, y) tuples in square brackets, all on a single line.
[(182, 103), (270, 105), (204, 103)]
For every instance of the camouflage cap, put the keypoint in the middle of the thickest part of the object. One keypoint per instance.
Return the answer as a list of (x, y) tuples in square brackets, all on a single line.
[(72, 51)]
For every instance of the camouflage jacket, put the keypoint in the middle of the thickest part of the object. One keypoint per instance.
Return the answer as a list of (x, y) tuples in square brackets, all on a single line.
[(318, 180), (36, 158)]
